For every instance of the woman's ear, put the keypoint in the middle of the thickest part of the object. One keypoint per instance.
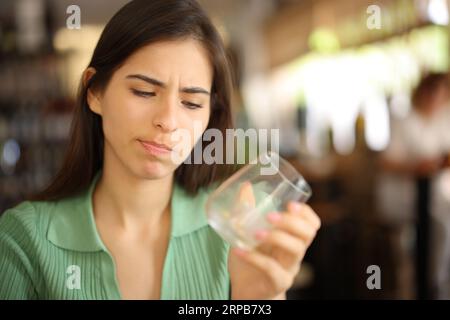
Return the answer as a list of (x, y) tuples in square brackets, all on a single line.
[(92, 97)]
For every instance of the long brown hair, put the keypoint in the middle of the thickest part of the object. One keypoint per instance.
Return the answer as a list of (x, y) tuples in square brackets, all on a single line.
[(139, 23)]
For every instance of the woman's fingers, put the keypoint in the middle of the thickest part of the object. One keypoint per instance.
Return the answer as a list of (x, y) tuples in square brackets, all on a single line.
[(246, 194), (294, 224), (283, 247), (292, 234), (292, 248), (279, 278), (304, 210)]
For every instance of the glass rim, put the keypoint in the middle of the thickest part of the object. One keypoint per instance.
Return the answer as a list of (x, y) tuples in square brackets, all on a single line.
[(306, 191)]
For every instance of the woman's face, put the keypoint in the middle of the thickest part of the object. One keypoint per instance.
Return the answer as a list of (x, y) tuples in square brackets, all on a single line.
[(161, 89)]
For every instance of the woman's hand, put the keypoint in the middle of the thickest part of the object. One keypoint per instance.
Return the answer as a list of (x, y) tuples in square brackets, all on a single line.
[(269, 271)]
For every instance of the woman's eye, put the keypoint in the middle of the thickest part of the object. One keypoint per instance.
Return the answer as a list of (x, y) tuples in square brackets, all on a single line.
[(191, 105), (143, 94)]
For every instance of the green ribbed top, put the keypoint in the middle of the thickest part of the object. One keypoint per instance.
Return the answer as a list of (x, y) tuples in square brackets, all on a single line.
[(52, 250)]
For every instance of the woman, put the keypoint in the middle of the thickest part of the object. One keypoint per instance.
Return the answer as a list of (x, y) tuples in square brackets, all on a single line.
[(418, 148), (122, 220)]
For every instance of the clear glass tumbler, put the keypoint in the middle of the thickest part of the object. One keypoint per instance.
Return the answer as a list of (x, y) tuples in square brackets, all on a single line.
[(237, 209)]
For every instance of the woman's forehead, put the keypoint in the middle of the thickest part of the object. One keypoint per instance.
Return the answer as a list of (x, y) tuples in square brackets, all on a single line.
[(184, 58)]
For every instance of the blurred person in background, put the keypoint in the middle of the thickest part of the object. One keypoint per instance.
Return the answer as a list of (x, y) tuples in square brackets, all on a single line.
[(418, 149)]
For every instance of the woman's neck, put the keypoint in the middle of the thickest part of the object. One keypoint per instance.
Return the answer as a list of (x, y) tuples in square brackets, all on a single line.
[(128, 201)]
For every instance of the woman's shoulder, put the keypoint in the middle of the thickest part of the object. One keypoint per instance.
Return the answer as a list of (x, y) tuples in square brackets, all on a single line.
[(31, 218), (19, 230), (26, 218)]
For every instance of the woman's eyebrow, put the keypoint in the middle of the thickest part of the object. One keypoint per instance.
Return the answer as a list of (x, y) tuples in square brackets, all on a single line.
[(162, 85), (146, 79), (195, 90)]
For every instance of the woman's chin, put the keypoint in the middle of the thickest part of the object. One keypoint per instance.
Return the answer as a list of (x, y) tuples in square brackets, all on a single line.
[(155, 171)]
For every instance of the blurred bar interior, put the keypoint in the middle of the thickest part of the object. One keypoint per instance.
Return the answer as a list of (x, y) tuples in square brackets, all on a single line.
[(315, 69)]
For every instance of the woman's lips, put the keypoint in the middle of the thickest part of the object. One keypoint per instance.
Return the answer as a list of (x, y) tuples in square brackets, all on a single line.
[(155, 148)]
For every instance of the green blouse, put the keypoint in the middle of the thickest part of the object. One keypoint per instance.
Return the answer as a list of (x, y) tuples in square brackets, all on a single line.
[(52, 250)]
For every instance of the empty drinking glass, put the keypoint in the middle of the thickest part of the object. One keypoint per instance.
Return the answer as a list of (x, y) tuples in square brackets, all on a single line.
[(237, 209)]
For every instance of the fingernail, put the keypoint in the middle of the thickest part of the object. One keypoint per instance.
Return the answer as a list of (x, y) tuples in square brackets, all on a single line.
[(261, 234), (296, 207), (240, 252), (274, 217)]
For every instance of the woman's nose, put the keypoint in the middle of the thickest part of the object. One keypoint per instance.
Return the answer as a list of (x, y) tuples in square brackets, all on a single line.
[(166, 117)]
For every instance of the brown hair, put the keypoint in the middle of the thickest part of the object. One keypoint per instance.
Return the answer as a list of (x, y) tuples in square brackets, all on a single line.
[(139, 23), (427, 87)]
